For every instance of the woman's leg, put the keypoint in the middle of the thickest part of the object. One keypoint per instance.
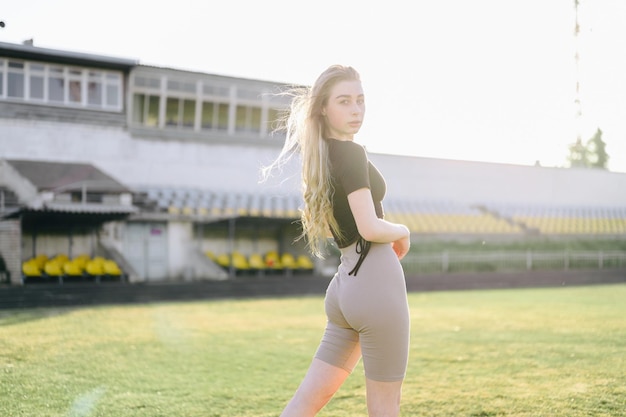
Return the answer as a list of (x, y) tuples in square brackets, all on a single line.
[(320, 383), (383, 398)]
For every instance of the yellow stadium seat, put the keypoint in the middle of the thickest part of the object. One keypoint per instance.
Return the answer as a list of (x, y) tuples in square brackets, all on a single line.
[(304, 262), (31, 268), (111, 268), (239, 261), (288, 261), (54, 268), (95, 267), (61, 257), (40, 260), (272, 260), (223, 260), (256, 261), (74, 268)]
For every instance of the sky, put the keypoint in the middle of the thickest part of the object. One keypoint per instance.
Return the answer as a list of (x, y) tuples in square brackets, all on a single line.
[(482, 80)]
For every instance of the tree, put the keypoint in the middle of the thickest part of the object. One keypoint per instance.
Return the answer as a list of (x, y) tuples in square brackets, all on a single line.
[(596, 149), (578, 155), (589, 155)]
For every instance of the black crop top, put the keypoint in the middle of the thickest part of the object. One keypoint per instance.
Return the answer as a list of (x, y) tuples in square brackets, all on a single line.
[(351, 170)]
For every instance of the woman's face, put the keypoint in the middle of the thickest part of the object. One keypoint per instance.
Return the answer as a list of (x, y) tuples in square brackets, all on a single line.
[(345, 110)]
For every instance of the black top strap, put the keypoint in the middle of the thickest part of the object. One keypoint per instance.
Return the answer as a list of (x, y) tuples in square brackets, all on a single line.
[(362, 248)]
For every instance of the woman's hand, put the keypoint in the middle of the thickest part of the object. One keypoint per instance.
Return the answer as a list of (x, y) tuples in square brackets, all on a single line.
[(401, 246)]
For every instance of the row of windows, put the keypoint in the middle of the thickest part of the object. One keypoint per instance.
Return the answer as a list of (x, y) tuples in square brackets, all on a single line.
[(158, 101), (164, 102), (60, 85), (203, 115)]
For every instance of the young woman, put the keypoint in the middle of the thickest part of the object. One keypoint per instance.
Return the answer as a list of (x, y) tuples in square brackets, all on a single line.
[(366, 301)]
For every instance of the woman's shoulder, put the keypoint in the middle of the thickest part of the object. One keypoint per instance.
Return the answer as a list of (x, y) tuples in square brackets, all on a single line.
[(345, 145), (346, 153)]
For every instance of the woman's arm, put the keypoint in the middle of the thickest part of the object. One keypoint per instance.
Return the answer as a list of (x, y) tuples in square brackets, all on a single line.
[(370, 227)]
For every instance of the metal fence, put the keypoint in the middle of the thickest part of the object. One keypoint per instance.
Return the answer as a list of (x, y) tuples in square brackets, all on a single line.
[(503, 261)]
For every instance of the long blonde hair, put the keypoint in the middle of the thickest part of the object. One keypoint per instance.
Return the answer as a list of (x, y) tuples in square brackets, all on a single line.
[(305, 128)]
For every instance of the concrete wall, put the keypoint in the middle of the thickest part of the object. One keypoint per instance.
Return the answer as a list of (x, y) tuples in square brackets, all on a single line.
[(218, 166), (138, 161), (485, 183)]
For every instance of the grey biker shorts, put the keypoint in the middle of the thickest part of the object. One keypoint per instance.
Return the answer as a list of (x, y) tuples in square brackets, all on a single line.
[(369, 309)]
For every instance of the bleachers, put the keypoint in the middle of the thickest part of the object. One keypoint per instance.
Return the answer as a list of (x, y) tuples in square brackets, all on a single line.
[(60, 268), (423, 217), (568, 220), (260, 264), (427, 217), (205, 203)]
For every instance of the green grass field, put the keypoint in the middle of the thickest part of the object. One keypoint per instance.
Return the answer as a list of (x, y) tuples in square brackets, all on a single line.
[(530, 352)]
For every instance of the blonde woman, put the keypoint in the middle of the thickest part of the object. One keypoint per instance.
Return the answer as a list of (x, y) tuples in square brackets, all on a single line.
[(366, 301)]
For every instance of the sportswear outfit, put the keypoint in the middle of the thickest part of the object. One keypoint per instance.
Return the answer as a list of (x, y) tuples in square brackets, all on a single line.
[(366, 301)]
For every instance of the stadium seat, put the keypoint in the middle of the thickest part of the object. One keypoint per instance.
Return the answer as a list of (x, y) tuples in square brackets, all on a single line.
[(272, 260), (81, 261), (256, 262), (288, 261), (304, 262), (95, 267), (223, 260), (31, 268), (111, 268), (240, 262), (54, 268), (40, 260), (60, 259), (74, 268)]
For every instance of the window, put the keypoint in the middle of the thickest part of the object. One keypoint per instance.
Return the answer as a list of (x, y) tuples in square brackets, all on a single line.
[(150, 82), (181, 86), (15, 79), (222, 116), (146, 110), (180, 112), (113, 90), (188, 113), (171, 112), (60, 85), (208, 113), (36, 76), (94, 89), (76, 86), (214, 116), (56, 84), (248, 119), (215, 90)]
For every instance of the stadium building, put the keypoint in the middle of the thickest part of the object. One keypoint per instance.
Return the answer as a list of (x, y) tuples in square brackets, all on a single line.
[(110, 169)]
